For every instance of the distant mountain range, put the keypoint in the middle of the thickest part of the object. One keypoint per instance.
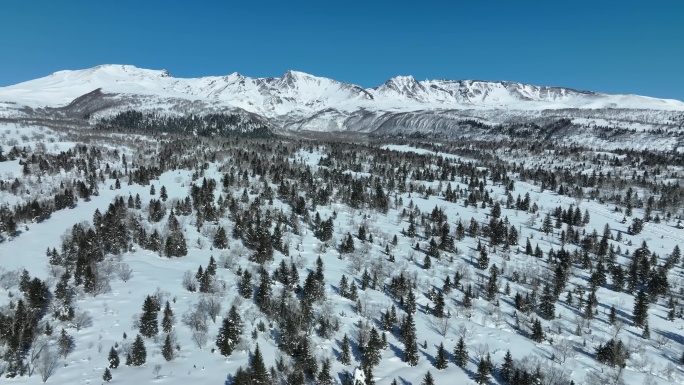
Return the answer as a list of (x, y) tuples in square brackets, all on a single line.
[(297, 101)]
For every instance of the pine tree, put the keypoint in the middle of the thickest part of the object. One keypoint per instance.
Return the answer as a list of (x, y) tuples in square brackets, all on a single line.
[(263, 297), (246, 285), (107, 375), (507, 368), (221, 238), (167, 320), (482, 375), (370, 356), (230, 332), (426, 262), (167, 349), (461, 353), (257, 369), (428, 379), (113, 358), (410, 303), (547, 305), (483, 261), (439, 306), (324, 377), (547, 226), (345, 354), (640, 312), (148, 320), (138, 354), (646, 333), (65, 343), (537, 331), (492, 285), (410, 344), (441, 362)]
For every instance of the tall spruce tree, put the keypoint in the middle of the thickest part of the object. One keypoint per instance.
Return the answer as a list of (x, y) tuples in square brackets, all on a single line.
[(149, 326), (257, 369), (547, 305), (230, 332), (113, 358), (167, 349), (138, 354), (441, 362), (410, 343), (167, 320), (482, 375), (428, 379), (640, 313), (461, 353), (345, 353), (507, 368)]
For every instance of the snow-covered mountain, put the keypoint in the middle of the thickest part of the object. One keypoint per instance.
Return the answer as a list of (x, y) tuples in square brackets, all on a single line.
[(299, 101)]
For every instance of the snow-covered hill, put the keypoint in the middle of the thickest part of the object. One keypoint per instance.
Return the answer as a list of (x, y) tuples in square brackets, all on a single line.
[(299, 101)]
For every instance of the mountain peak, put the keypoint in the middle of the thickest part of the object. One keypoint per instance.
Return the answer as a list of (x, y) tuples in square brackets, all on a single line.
[(300, 93)]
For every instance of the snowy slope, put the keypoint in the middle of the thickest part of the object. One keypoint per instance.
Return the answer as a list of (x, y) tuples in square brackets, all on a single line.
[(298, 101), (298, 91)]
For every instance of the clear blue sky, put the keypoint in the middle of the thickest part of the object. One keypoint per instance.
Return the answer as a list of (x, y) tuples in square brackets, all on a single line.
[(601, 45)]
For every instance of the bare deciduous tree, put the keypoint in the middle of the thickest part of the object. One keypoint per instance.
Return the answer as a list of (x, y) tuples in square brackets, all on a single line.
[(47, 363), (199, 337), (442, 325), (82, 319), (563, 350), (211, 304), (124, 272)]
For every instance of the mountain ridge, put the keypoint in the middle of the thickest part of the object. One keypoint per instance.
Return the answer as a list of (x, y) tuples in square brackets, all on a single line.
[(297, 102), (466, 93)]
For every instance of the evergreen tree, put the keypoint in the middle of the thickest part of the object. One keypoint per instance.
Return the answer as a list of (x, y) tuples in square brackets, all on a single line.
[(461, 353), (324, 377), (640, 313), (246, 284), (230, 332), (149, 326), (107, 376), (482, 375), (65, 343), (492, 285), (547, 226), (342, 288), (483, 261), (438, 311), (426, 262), (221, 238), (428, 379), (263, 297), (537, 331), (167, 349), (345, 354), (410, 303), (441, 362), (410, 344), (138, 354), (646, 333), (257, 370), (507, 368), (113, 358), (167, 320), (547, 304)]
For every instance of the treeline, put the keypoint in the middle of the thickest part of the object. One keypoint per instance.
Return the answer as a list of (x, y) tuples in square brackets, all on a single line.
[(201, 125)]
